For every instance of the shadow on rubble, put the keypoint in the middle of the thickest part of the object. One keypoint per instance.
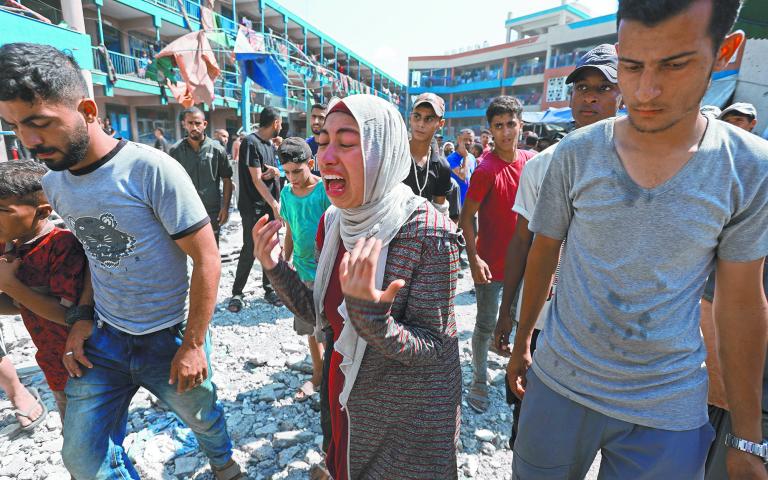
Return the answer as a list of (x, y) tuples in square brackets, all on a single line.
[(253, 418), (255, 311)]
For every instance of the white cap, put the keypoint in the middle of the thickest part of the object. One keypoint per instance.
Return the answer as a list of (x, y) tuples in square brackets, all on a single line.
[(742, 108)]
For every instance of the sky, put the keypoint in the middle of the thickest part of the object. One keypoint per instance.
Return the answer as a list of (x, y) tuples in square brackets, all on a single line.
[(387, 33)]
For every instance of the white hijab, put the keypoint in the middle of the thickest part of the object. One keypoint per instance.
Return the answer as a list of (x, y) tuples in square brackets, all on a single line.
[(387, 204)]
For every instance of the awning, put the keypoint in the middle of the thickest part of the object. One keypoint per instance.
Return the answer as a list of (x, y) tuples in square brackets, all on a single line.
[(721, 88)]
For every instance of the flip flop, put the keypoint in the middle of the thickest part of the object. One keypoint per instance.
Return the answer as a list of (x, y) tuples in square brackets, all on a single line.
[(235, 304), (34, 423), (478, 397), (305, 392)]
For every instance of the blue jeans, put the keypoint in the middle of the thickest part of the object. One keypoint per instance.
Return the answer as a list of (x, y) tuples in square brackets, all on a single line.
[(97, 409), (558, 439), (487, 314)]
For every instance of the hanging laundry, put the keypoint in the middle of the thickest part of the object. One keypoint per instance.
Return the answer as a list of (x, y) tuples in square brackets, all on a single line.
[(259, 66), (197, 64)]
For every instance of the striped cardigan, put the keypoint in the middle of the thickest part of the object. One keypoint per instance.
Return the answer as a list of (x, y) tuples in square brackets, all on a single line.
[(404, 409)]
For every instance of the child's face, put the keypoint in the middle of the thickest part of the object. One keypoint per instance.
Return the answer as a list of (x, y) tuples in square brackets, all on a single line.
[(17, 219), (297, 173)]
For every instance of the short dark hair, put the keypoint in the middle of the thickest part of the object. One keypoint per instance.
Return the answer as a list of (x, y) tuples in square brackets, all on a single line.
[(504, 104), (21, 179), (653, 12), (466, 130), (268, 116), (317, 105), (160, 129), (531, 140), (191, 111), (476, 147), (29, 71), (486, 131)]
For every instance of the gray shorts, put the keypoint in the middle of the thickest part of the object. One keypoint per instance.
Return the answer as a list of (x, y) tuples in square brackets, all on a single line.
[(558, 439)]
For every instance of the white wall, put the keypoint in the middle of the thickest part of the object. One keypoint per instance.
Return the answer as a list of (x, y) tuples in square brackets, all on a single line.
[(752, 85)]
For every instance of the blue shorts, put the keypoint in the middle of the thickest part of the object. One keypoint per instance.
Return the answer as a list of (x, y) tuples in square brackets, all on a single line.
[(559, 439)]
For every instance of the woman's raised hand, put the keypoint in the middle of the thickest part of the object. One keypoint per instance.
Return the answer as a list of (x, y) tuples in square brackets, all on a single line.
[(266, 243), (357, 273)]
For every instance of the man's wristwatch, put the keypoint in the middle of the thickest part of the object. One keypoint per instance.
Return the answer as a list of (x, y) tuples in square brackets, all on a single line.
[(76, 313), (758, 449)]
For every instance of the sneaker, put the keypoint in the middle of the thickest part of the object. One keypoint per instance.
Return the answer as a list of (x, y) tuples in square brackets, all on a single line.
[(463, 263), (273, 299)]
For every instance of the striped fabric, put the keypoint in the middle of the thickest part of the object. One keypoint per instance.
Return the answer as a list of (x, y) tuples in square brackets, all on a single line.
[(404, 409)]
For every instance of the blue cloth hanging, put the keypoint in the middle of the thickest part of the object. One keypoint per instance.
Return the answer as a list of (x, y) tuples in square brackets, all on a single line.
[(263, 69)]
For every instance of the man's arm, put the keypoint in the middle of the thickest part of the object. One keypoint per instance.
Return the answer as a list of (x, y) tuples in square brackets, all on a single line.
[(481, 273), (224, 213), (741, 318), (514, 268), (541, 265), (190, 364), (263, 190)]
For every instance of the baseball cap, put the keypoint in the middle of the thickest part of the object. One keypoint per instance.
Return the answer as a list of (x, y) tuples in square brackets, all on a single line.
[(742, 108), (602, 57), (712, 110), (294, 149), (437, 103)]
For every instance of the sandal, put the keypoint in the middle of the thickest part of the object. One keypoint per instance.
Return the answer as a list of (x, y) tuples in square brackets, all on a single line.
[(230, 471), (235, 304), (478, 397), (14, 429), (306, 391)]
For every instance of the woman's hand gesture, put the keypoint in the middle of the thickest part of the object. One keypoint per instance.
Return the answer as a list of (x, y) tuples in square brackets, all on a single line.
[(266, 243), (357, 273)]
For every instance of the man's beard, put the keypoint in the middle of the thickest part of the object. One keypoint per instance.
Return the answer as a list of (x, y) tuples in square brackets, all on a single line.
[(316, 130), (77, 148)]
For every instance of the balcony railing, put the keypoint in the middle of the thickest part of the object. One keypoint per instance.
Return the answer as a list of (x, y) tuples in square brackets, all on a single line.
[(528, 69), (566, 59)]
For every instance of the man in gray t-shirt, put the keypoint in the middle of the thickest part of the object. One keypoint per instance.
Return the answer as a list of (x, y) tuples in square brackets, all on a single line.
[(139, 217), (649, 202)]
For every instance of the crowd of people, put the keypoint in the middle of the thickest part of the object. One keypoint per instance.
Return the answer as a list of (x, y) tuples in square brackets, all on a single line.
[(619, 270)]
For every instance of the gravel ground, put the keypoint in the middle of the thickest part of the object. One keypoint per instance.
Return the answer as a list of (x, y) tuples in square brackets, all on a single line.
[(258, 364)]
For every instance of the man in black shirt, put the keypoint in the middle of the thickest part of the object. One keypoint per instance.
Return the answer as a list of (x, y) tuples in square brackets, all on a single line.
[(430, 175), (259, 195)]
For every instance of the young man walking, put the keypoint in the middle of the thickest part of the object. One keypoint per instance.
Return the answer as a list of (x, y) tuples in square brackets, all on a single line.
[(259, 195), (150, 327), (206, 163), (429, 176), (491, 196), (595, 97), (665, 194)]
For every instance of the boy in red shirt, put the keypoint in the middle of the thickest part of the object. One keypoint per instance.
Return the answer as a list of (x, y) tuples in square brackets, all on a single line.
[(491, 195), (42, 268)]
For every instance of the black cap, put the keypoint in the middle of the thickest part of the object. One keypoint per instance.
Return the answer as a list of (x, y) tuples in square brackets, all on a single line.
[(294, 149), (602, 57)]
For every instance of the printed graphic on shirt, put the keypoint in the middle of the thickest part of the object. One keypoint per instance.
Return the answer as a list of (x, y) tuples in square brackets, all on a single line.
[(102, 239)]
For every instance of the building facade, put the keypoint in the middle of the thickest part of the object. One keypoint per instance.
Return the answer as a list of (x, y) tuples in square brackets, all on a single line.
[(131, 32), (540, 51)]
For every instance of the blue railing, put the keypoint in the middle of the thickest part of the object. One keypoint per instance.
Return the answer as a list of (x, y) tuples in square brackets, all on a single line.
[(566, 59), (528, 69)]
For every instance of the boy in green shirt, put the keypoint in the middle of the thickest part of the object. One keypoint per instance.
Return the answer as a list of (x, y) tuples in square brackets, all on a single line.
[(302, 202)]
